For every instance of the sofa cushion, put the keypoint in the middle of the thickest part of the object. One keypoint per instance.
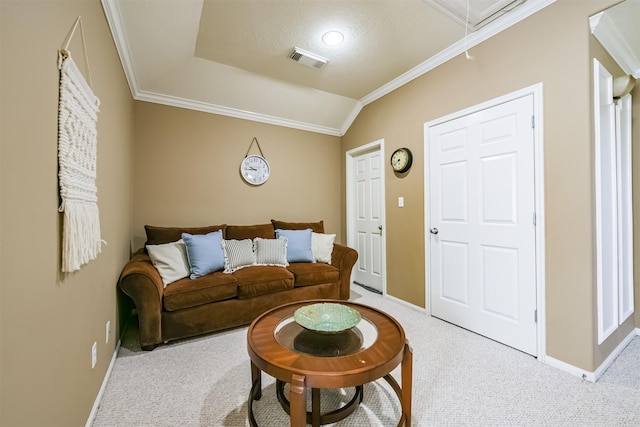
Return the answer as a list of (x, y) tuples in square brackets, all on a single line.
[(260, 280), (317, 227), (159, 235), (313, 274), (298, 245), (241, 232), (204, 252), (187, 293)]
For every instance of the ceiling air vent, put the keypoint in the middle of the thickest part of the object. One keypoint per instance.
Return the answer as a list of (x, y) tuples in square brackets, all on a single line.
[(307, 58)]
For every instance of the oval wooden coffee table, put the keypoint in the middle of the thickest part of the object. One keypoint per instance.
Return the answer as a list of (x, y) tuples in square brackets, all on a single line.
[(306, 360)]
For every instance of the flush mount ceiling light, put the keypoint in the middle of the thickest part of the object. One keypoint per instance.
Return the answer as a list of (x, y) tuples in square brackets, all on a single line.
[(332, 38)]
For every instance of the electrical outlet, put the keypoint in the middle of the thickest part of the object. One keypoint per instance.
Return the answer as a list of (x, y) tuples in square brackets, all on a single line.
[(107, 331), (94, 354)]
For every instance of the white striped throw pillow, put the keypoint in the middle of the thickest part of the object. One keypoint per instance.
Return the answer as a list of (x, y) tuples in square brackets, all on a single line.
[(238, 254), (271, 251)]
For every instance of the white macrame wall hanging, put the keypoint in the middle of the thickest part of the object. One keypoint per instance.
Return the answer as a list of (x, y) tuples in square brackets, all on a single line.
[(77, 151)]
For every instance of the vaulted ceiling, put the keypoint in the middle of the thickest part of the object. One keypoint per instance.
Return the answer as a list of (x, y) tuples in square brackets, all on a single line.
[(232, 57)]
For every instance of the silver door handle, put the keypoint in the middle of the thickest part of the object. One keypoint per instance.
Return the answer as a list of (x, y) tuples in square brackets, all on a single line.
[(434, 230), (380, 229)]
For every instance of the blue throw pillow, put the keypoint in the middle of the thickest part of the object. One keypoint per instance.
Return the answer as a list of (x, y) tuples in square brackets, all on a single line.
[(298, 245), (204, 252)]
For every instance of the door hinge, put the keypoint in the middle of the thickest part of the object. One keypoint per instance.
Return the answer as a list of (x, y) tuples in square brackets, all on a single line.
[(533, 122), (535, 316), (535, 220)]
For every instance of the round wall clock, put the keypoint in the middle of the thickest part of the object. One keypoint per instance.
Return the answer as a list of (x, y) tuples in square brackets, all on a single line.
[(255, 169), (401, 160)]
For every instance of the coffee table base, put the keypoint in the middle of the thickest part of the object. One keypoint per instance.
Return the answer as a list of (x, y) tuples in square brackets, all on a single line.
[(315, 418), (386, 349)]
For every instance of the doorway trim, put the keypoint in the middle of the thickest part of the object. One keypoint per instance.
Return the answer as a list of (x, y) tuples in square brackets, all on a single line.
[(538, 153), (350, 175)]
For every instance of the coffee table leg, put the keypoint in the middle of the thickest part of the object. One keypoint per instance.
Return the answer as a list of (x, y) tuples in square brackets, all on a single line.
[(256, 375), (298, 401), (407, 373), (315, 407), (255, 393)]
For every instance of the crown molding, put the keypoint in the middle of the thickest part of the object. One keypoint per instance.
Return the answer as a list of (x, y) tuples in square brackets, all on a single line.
[(619, 45), (353, 114), (114, 19), (190, 104)]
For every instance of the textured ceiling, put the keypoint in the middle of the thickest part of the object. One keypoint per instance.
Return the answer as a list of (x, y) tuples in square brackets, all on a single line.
[(375, 50), (231, 57)]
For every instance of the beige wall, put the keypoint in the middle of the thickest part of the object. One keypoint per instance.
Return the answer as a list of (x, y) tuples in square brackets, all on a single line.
[(187, 172), (551, 47), (48, 320)]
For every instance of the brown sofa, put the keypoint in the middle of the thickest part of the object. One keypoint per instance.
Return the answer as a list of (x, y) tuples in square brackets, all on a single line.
[(218, 300)]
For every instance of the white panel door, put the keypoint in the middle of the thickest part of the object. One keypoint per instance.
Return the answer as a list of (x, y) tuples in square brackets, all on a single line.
[(368, 220), (481, 210)]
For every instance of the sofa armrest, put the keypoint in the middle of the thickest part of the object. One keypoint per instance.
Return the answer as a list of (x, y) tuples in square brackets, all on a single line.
[(142, 283), (344, 258)]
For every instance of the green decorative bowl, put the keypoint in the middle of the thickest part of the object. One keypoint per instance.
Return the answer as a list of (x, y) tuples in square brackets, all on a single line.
[(327, 318)]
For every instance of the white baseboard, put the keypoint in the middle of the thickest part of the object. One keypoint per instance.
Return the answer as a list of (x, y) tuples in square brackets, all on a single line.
[(595, 375), (404, 303), (615, 353), (413, 307), (573, 370), (96, 404)]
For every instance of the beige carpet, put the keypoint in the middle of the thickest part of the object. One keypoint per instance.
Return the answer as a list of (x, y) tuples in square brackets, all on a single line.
[(460, 379)]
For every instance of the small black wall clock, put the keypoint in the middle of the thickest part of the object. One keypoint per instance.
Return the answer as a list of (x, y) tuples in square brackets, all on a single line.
[(401, 160)]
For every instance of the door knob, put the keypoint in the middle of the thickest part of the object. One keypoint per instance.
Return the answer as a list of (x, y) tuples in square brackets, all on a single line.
[(380, 230), (434, 231)]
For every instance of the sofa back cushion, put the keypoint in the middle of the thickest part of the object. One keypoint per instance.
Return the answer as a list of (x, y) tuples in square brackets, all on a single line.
[(159, 235), (316, 227), (241, 232)]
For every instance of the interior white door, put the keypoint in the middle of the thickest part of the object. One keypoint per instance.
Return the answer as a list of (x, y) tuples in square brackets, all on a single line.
[(368, 220), (481, 210)]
